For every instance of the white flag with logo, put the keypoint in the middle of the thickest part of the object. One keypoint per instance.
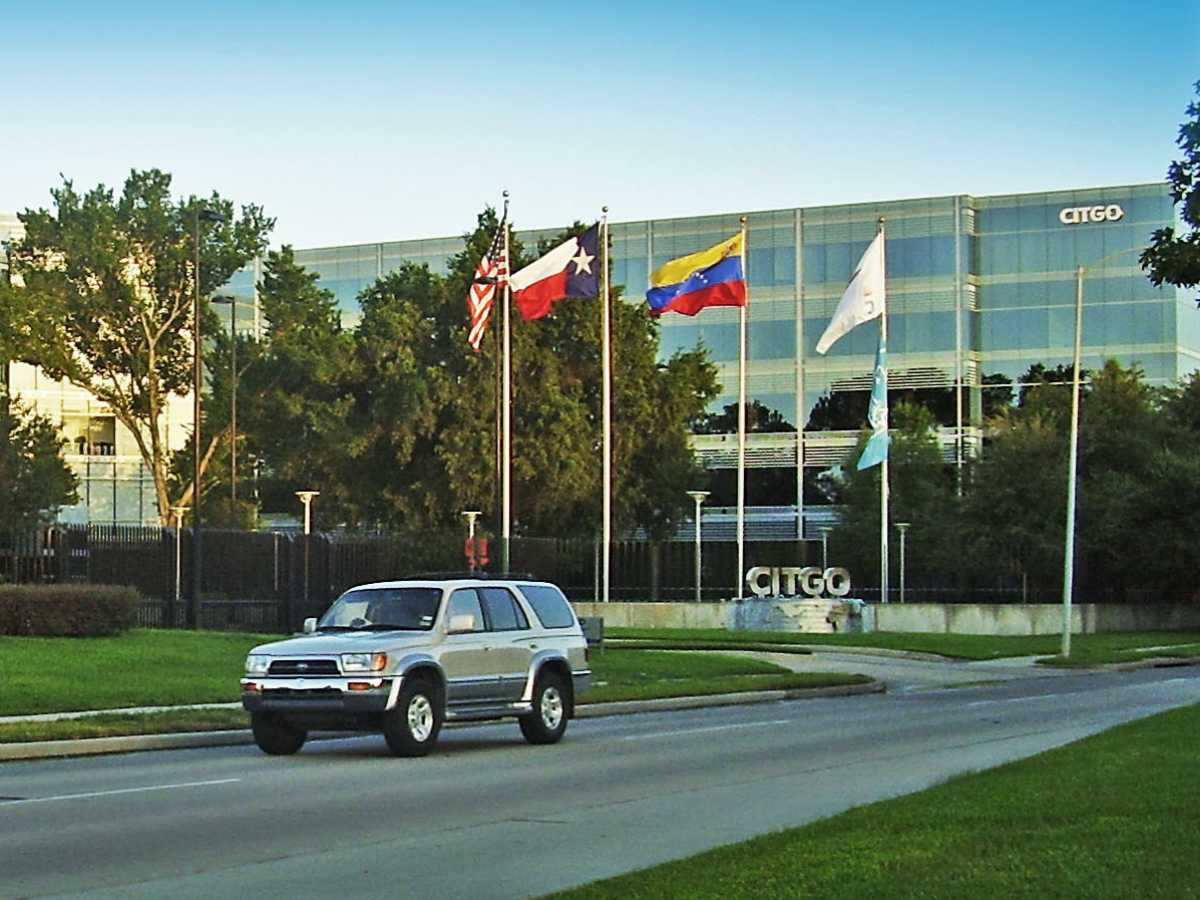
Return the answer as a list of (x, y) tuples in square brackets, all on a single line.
[(863, 298)]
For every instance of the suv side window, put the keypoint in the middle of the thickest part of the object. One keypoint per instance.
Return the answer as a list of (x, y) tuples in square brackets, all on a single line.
[(502, 610), (465, 602), (549, 605)]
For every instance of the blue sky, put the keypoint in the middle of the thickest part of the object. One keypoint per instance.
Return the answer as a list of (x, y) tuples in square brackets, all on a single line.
[(369, 121)]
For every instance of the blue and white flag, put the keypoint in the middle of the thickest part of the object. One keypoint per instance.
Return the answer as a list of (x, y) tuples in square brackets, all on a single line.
[(876, 450)]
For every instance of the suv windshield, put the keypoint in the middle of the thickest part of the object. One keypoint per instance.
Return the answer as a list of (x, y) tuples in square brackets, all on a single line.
[(406, 608)]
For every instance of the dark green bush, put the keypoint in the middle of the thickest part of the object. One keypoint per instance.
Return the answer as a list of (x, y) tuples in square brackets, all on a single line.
[(66, 610)]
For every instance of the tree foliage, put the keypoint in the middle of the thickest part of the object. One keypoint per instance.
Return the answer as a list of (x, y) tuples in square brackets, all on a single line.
[(395, 421), (921, 492), (102, 296), (1175, 258), (35, 481)]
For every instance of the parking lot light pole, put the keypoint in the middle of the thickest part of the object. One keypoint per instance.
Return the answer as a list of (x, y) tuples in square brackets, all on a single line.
[(471, 515), (306, 497), (902, 527), (698, 496), (179, 511)]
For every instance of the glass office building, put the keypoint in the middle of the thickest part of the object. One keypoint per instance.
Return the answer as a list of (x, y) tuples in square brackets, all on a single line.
[(977, 286)]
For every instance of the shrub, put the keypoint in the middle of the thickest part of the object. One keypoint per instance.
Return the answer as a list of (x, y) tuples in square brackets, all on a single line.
[(67, 610)]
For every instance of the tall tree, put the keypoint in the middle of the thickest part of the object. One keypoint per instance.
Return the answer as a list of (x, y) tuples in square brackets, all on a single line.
[(35, 481), (105, 296), (1014, 508), (921, 492), (296, 407), (425, 408), (1171, 258)]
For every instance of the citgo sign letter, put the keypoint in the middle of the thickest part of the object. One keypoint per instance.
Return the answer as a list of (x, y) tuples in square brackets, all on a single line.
[(1078, 215), (764, 581)]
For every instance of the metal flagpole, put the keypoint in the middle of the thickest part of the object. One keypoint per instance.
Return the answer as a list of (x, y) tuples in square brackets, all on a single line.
[(606, 369), (1069, 551), (506, 452), (801, 406), (883, 472), (741, 492)]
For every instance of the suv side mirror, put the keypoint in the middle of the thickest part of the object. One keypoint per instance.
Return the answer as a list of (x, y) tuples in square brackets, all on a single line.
[(310, 625), (463, 623)]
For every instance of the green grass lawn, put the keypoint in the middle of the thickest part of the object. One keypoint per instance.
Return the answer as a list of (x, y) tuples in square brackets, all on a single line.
[(148, 667), (650, 674), (1116, 815), (143, 667), (1086, 649)]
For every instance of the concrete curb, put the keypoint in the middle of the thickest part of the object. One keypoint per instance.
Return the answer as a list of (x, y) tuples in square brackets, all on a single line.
[(1153, 662), (633, 644), (138, 742), (127, 744)]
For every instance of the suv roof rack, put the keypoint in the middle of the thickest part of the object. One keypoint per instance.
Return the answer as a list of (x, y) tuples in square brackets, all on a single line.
[(481, 575)]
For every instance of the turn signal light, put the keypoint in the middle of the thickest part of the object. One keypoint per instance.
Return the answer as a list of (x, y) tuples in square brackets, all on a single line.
[(251, 687), (359, 686)]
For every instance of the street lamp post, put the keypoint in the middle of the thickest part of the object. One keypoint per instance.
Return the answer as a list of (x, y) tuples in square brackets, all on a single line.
[(471, 516), (902, 527), (306, 497), (193, 616), (698, 496), (233, 374), (179, 511)]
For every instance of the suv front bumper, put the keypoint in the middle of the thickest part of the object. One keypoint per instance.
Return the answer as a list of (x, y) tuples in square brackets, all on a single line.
[(319, 695)]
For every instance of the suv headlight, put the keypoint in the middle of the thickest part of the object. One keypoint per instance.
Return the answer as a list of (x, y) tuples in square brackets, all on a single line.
[(364, 662), (257, 664)]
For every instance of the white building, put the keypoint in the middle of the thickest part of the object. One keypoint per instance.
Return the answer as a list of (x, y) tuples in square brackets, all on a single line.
[(115, 486)]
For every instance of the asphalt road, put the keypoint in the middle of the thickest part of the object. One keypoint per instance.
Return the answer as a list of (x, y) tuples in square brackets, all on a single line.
[(489, 816)]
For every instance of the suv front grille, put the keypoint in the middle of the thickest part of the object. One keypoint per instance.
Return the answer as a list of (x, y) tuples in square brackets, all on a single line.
[(304, 667)]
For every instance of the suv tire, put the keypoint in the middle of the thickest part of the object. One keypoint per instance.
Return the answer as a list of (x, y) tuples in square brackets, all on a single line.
[(411, 727), (275, 736), (548, 721)]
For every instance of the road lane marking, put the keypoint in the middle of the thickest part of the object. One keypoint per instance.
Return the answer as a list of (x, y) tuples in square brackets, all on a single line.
[(135, 790), (1017, 699), (662, 734)]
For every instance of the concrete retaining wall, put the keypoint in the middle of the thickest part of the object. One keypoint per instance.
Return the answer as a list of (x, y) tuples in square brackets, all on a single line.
[(777, 614)]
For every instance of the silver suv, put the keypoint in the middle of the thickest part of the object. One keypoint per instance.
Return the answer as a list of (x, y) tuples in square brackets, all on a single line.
[(402, 657)]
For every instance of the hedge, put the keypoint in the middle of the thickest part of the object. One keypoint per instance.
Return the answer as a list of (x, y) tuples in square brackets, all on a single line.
[(68, 610)]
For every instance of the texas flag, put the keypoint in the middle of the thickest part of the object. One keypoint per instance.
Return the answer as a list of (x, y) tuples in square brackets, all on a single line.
[(572, 269)]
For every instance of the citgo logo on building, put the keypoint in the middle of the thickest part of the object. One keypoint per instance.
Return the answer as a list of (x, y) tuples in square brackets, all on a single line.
[(1078, 215)]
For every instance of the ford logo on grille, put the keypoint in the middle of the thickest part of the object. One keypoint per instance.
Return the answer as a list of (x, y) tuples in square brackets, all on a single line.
[(302, 667)]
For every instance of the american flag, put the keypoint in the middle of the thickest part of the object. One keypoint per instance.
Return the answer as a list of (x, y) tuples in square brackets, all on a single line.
[(491, 273)]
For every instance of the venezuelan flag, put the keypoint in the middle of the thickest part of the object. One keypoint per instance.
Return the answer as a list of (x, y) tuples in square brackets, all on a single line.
[(712, 277)]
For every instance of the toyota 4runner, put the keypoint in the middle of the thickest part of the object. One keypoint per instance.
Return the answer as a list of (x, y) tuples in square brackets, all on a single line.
[(402, 657)]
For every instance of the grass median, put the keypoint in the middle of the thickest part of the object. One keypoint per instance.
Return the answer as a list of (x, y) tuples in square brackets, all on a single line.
[(1086, 649), (174, 668), (1114, 815)]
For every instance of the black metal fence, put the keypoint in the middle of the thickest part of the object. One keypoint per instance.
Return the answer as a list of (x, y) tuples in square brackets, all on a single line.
[(273, 581)]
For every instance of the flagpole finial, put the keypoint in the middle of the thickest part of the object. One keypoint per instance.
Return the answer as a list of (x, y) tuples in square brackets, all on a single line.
[(504, 194), (604, 209), (742, 219)]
